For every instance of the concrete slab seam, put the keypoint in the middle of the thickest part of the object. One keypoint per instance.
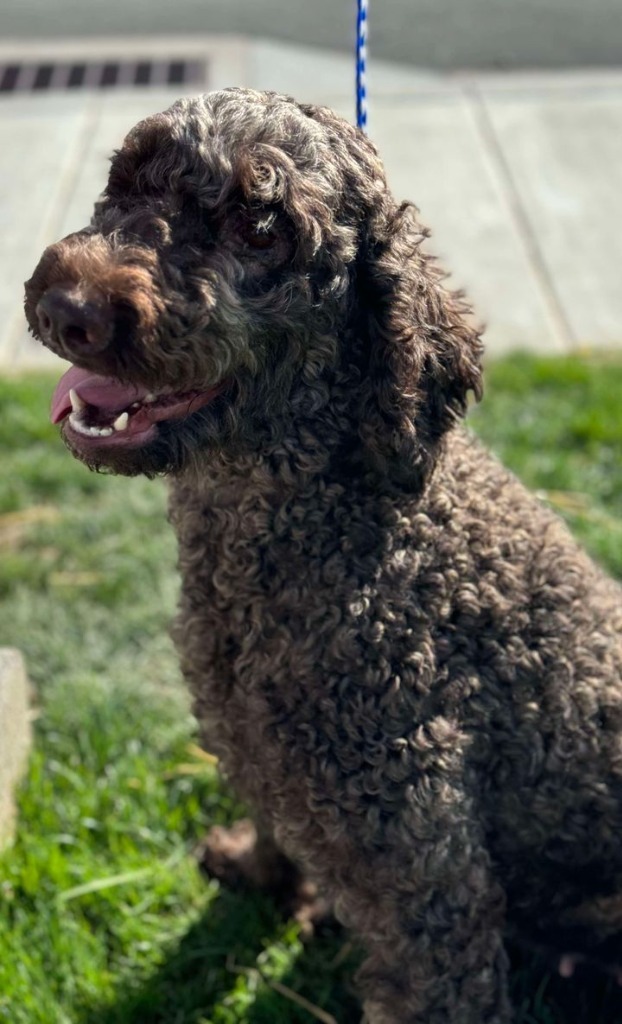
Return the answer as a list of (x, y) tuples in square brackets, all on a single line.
[(519, 215)]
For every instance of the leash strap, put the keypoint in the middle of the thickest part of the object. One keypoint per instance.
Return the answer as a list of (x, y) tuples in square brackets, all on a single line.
[(361, 64)]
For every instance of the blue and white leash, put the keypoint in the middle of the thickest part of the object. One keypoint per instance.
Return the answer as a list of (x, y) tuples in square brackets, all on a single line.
[(361, 64)]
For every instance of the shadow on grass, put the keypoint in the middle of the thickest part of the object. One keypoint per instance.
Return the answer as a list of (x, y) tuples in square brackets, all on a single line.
[(206, 980), (211, 977)]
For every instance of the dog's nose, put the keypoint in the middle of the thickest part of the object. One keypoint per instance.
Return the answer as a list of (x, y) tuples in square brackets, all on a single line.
[(73, 325)]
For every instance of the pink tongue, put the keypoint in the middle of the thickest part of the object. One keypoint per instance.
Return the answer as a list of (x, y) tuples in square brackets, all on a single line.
[(105, 393)]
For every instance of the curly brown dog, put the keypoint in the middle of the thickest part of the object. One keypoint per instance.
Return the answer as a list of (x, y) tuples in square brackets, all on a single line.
[(404, 662)]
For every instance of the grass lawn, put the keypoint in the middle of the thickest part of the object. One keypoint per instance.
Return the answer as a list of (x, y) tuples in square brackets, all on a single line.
[(103, 915)]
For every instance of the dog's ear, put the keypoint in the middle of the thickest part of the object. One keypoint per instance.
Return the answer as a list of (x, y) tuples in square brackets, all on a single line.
[(420, 353), (417, 351)]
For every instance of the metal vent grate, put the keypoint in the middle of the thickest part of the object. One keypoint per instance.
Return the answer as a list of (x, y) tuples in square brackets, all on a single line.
[(105, 74)]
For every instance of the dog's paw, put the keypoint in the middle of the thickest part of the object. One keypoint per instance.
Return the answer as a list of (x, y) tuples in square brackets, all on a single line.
[(230, 855), (239, 858), (308, 907)]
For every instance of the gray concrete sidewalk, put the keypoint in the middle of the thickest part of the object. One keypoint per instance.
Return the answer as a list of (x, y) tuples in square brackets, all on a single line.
[(517, 174)]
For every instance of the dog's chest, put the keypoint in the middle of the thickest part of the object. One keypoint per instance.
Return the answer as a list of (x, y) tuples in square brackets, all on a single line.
[(276, 591), (300, 649)]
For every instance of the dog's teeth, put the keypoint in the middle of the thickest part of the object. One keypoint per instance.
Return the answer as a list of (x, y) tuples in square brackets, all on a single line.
[(148, 399), (86, 431), (77, 404), (121, 421), (135, 405), (78, 425)]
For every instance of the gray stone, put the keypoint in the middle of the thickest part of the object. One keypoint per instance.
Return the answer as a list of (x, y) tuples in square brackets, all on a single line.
[(15, 734)]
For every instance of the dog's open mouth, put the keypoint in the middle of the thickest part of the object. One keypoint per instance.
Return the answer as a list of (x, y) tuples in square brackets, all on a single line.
[(101, 411)]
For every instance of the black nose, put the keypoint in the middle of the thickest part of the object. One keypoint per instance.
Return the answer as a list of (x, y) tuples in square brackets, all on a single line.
[(73, 325)]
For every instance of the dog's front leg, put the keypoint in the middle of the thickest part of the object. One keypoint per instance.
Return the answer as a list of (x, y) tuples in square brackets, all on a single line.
[(435, 948)]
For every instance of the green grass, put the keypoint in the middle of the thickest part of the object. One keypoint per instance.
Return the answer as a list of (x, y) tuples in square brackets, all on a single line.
[(104, 916)]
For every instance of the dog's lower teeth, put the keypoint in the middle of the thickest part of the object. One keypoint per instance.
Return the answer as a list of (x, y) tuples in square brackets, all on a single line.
[(86, 431)]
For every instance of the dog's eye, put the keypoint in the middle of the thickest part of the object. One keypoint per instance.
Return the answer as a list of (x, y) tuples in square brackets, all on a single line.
[(261, 239), (260, 233)]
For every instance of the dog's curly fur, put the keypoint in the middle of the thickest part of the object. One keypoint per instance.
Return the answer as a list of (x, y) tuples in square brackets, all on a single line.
[(404, 662)]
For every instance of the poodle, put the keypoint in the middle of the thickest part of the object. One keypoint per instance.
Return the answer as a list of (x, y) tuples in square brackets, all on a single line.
[(405, 664)]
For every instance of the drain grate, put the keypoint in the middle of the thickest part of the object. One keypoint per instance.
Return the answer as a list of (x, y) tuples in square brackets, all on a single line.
[(31, 76)]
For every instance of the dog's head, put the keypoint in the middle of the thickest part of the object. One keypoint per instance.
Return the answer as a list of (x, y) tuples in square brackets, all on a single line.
[(247, 274)]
